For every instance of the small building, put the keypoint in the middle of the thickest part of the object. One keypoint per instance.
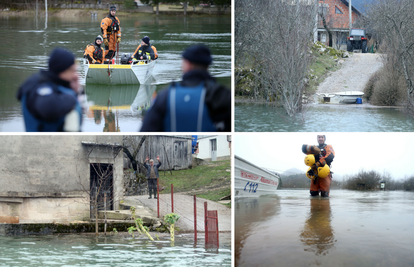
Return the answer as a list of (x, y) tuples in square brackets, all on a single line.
[(55, 178), (336, 13), (214, 147)]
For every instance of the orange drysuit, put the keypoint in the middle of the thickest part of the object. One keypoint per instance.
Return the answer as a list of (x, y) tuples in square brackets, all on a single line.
[(93, 53), (323, 184), (110, 27), (153, 48)]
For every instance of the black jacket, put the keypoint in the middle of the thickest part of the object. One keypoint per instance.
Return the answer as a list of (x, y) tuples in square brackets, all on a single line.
[(47, 106), (218, 101), (144, 50)]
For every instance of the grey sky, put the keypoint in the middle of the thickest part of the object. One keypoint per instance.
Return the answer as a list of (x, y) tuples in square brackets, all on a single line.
[(392, 152)]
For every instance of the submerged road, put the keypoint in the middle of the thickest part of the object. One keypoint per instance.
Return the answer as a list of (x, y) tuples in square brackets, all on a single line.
[(184, 206), (353, 75)]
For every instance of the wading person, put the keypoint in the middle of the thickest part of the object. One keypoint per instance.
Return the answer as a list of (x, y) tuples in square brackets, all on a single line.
[(319, 159), (152, 175), (144, 50), (49, 97), (196, 104), (111, 32), (93, 52)]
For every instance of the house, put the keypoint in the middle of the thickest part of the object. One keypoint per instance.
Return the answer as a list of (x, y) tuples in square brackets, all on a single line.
[(55, 178), (336, 13), (214, 147)]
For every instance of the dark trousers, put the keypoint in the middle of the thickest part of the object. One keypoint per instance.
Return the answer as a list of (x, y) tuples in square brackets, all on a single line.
[(152, 186)]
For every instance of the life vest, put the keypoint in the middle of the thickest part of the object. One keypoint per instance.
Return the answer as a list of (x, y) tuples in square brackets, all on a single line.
[(34, 124), (186, 110), (114, 27), (97, 54)]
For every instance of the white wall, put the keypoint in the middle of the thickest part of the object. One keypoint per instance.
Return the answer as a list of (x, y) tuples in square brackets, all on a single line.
[(204, 144)]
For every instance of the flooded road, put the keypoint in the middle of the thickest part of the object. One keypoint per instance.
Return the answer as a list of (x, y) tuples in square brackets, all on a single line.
[(29, 42), (81, 250), (352, 228), (324, 118)]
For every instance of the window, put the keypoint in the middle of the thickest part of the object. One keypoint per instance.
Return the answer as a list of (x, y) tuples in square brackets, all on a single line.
[(338, 11)]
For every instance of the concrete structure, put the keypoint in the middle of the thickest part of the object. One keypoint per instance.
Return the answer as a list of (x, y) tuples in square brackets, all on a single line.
[(47, 178), (214, 147), (337, 18)]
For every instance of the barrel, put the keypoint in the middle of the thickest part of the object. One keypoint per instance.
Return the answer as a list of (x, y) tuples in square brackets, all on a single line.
[(359, 100)]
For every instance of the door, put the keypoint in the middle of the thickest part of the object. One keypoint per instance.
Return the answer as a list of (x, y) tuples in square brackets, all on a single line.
[(213, 146), (180, 155), (101, 183)]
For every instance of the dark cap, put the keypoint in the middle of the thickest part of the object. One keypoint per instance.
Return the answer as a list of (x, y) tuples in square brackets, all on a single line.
[(60, 60), (146, 40), (112, 8), (198, 54)]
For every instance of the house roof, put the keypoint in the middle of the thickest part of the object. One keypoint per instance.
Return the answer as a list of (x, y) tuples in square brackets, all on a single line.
[(346, 2)]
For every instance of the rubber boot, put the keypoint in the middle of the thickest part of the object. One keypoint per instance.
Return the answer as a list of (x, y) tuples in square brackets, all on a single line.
[(155, 193), (150, 191), (324, 193), (314, 193)]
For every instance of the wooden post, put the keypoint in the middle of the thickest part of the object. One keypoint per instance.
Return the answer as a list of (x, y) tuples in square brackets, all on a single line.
[(195, 220)]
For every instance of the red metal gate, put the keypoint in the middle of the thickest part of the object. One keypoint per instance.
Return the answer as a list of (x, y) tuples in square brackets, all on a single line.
[(211, 226)]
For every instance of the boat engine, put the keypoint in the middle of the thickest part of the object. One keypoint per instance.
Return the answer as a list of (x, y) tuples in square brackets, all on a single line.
[(126, 58)]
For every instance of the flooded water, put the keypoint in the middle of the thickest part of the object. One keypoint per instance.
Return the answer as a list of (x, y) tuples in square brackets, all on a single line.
[(324, 118), (351, 228), (80, 250), (109, 108)]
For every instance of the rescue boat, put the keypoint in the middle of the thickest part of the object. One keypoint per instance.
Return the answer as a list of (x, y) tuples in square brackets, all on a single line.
[(347, 97), (116, 74), (253, 181)]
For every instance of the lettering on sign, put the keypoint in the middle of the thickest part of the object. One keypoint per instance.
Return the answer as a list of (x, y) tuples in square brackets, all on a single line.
[(267, 181)]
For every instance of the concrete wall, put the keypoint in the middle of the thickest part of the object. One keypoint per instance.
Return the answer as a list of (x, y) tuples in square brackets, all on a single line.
[(204, 144), (47, 177)]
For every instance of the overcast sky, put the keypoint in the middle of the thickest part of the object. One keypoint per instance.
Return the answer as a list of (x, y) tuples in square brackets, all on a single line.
[(393, 152)]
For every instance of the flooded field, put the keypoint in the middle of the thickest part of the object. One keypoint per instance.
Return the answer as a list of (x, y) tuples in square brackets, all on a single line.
[(324, 118), (352, 228), (109, 108), (81, 250)]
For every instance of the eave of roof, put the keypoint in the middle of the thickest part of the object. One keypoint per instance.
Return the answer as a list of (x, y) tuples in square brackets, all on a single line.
[(346, 2)]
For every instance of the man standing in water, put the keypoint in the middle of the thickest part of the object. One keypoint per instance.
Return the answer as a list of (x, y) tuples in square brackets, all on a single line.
[(152, 175), (196, 104), (111, 32), (324, 154), (49, 97)]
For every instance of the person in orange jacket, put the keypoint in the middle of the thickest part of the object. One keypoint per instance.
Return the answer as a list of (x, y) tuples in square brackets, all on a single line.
[(111, 32), (93, 52), (144, 50), (324, 155)]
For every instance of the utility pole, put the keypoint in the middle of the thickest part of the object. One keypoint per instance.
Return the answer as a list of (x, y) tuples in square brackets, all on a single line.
[(315, 30), (350, 16)]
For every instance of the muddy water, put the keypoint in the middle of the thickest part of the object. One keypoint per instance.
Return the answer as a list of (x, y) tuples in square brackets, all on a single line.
[(28, 41), (77, 250), (324, 118), (352, 228)]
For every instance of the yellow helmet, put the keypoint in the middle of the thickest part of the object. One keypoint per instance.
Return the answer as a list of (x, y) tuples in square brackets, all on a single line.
[(324, 171), (309, 160), (309, 175)]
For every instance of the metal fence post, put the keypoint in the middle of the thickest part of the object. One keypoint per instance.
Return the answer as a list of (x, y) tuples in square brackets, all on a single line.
[(172, 198), (195, 219), (205, 222), (158, 200)]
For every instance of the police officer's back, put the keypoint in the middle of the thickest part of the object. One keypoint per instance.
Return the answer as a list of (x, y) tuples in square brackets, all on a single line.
[(195, 104), (49, 97)]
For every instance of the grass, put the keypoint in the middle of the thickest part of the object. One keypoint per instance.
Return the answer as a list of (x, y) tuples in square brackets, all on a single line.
[(320, 65), (204, 177)]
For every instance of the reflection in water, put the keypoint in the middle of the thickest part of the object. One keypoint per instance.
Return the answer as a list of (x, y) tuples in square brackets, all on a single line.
[(107, 102), (249, 212), (317, 234)]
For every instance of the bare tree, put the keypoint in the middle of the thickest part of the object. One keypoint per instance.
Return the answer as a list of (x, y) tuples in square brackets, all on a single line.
[(326, 19), (393, 22), (273, 37)]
